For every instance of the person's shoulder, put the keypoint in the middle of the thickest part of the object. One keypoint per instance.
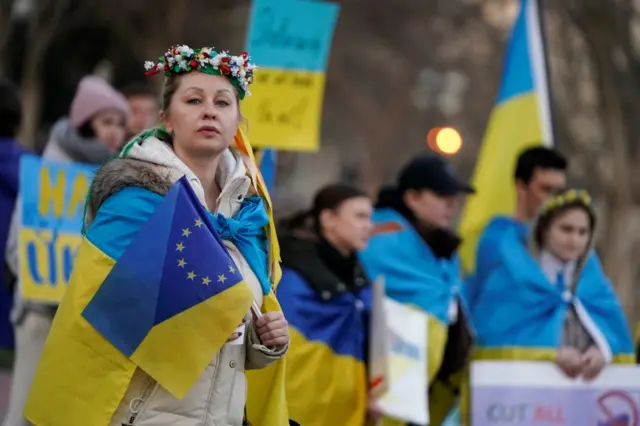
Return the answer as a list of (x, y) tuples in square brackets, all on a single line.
[(121, 173)]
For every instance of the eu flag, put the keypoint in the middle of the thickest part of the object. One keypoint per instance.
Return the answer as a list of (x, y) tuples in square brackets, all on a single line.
[(174, 296)]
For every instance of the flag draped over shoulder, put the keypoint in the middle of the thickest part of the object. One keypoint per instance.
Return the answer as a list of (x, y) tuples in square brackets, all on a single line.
[(173, 291), (520, 119), (328, 381)]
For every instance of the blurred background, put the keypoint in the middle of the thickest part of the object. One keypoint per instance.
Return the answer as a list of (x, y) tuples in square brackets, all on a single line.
[(397, 70)]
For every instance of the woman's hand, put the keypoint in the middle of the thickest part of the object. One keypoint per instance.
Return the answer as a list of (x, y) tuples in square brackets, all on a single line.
[(570, 361), (236, 335), (272, 329), (592, 363), (374, 413)]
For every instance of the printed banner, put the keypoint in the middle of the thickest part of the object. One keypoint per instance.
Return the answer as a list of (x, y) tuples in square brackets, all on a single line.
[(537, 393), (52, 199), (290, 42), (407, 342)]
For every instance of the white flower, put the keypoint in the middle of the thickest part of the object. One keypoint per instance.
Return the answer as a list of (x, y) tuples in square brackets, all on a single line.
[(178, 58), (183, 64), (148, 65), (171, 61), (239, 60), (243, 73), (215, 61)]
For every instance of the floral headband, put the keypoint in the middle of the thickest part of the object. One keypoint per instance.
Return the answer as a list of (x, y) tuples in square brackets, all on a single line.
[(183, 59), (571, 196)]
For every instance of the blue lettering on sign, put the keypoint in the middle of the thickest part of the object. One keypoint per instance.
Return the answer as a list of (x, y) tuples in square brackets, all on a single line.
[(402, 347)]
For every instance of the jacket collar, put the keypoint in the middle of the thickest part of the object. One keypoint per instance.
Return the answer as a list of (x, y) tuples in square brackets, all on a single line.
[(231, 175)]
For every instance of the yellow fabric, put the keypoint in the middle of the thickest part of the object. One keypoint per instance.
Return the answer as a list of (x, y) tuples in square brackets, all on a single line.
[(266, 396), (81, 377), (513, 354), (322, 387), (507, 135)]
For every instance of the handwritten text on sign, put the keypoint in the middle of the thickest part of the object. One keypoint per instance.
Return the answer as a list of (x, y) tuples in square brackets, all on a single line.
[(52, 197), (285, 108), (291, 34)]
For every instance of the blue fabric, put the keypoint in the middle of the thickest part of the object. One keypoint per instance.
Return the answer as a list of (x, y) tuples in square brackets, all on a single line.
[(123, 214), (246, 230), (10, 153), (518, 306), (175, 262), (517, 74), (488, 253), (341, 323), (412, 274)]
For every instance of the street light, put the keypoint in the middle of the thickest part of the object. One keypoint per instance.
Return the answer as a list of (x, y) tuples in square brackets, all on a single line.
[(445, 140)]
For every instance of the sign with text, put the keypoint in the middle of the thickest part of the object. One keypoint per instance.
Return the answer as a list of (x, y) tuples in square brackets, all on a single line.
[(52, 197), (537, 393), (290, 42), (407, 336)]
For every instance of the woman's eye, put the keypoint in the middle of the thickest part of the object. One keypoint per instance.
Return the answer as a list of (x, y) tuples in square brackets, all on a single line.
[(222, 103), (194, 101)]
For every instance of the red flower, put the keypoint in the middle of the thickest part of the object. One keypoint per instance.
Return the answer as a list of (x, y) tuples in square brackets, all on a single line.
[(245, 55), (206, 54), (166, 67), (225, 69), (152, 72), (225, 60), (194, 64)]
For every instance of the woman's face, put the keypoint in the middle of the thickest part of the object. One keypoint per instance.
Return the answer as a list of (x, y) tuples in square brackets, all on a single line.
[(349, 225), (568, 235), (203, 114), (109, 127)]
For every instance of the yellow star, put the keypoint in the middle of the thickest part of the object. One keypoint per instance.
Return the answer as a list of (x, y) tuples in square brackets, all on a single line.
[(186, 232), (232, 269), (181, 263), (221, 278), (180, 247), (198, 223), (206, 281), (191, 275)]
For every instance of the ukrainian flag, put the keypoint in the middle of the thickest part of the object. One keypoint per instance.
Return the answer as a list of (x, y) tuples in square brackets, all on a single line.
[(166, 304), (520, 119)]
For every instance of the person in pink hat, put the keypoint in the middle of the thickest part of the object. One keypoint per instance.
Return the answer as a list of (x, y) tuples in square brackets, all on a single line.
[(91, 134)]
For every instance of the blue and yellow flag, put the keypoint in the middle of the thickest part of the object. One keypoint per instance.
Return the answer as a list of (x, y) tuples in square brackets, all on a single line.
[(122, 309), (175, 285), (520, 119), (327, 378)]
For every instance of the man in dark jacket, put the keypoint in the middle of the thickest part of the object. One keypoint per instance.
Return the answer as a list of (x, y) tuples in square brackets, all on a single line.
[(10, 152)]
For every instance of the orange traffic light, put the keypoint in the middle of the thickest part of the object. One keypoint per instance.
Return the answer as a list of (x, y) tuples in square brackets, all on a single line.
[(445, 140)]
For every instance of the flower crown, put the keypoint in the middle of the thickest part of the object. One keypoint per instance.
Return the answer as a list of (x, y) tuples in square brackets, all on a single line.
[(183, 59), (571, 196)]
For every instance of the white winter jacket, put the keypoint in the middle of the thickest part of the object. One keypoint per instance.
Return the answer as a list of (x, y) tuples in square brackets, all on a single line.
[(218, 398)]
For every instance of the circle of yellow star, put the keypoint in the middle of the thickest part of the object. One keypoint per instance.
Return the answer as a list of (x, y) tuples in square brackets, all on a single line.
[(181, 263), (198, 223), (186, 232), (191, 275), (206, 281), (221, 278), (180, 247), (232, 269)]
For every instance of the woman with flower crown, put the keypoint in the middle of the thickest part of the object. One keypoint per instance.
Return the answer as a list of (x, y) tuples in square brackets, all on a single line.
[(200, 140), (550, 299)]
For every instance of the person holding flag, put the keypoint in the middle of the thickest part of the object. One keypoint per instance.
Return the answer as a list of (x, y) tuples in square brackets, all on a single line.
[(171, 297)]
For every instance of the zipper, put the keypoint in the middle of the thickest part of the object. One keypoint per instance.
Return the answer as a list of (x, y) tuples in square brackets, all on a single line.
[(137, 404)]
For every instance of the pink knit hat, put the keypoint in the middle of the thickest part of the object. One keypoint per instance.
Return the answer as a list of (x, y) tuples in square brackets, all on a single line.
[(94, 95)]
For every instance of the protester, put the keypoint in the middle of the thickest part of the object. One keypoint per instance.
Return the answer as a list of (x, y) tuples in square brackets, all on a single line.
[(540, 172), (551, 301), (10, 153), (326, 299), (144, 108), (90, 134), (414, 249), (201, 117)]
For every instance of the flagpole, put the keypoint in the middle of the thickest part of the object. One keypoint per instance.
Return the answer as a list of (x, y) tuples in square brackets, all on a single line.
[(548, 109)]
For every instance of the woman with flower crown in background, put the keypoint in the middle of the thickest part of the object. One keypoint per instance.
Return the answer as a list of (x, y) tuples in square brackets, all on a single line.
[(201, 141), (550, 299)]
